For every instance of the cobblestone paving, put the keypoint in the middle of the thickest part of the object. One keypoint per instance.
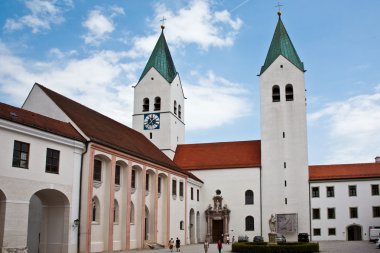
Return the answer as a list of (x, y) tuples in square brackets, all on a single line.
[(325, 247)]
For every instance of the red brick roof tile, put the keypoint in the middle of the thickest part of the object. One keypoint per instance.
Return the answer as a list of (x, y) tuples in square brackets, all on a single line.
[(37, 121), (344, 171), (108, 132), (222, 155)]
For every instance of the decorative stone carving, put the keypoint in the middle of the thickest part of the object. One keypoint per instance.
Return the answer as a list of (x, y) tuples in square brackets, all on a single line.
[(217, 212)]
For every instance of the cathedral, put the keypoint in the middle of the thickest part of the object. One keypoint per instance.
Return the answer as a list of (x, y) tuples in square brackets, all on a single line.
[(74, 180)]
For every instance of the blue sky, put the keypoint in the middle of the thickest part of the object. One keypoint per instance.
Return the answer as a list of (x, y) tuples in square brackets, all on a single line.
[(94, 52)]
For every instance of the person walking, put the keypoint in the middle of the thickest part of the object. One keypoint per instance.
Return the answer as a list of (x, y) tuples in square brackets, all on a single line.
[(233, 239), (178, 244), (220, 246), (206, 245), (228, 239), (171, 244)]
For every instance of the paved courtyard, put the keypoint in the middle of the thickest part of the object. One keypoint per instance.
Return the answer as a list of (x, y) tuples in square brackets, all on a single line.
[(325, 247)]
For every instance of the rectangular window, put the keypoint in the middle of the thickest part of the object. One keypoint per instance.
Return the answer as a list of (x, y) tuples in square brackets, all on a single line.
[(315, 192), (159, 185), (133, 179), (117, 175), (52, 161), (316, 214), (332, 231), (330, 191), (317, 231), (376, 211), (191, 193), (375, 189), (197, 195), (353, 212), (174, 187), (181, 189), (352, 190), (20, 154), (147, 182), (330, 213), (97, 170)]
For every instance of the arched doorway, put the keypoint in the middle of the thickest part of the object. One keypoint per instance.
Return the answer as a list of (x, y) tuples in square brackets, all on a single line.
[(354, 233), (192, 226), (2, 217), (48, 222)]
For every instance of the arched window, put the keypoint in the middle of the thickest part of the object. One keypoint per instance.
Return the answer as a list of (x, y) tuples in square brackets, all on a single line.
[(276, 93), (289, 92), (249, 197), (115, 211), (157, 103), (145, 104), (132, 213), (175, 107), (179, 111), (249, 223), (181, 225), (95, 210)]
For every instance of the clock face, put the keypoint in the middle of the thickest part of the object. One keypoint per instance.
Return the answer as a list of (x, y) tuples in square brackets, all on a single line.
[(151, 121)]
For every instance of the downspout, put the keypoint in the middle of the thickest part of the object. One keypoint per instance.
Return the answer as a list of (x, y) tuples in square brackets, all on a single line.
[(310, 212), (261, 205), (80, 194)]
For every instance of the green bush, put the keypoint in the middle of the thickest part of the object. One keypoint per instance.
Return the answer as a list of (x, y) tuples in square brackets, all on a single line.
[(292, 247)]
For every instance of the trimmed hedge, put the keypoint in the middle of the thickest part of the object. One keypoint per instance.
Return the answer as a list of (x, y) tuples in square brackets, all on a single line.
[(292, 247)]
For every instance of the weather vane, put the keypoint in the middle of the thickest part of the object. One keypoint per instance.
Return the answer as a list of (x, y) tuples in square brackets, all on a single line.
[(163, 23), (279, 8)]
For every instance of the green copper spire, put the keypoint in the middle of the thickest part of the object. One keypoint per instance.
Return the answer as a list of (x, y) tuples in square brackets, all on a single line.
[(281, 45), (161, 60)]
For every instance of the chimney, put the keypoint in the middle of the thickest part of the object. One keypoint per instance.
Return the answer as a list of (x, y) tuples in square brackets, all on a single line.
[(377, 159)]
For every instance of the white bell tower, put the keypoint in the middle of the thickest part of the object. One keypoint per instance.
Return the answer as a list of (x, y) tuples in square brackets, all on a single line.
[(284, 151), (159, 101)]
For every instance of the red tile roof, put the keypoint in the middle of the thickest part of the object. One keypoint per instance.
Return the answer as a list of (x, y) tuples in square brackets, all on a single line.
[(344, 171), (222, 155), (108, 132), (34, 120)]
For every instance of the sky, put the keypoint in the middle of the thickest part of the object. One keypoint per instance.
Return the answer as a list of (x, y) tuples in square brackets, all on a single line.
[(94, 52)]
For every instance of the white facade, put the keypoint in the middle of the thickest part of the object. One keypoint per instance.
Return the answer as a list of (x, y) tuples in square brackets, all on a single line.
[(233, 184), (171, 129), (284, 145), (335, 226), (38, 208)]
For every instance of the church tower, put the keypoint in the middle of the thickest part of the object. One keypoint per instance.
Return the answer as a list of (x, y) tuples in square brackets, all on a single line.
[(284, 151), (159, 101)]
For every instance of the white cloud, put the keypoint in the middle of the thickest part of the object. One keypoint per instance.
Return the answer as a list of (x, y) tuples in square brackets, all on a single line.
[(74, 78), (214, 101), (197, 23), (353, 128), (110, 92), (43, 13), (99, 26)]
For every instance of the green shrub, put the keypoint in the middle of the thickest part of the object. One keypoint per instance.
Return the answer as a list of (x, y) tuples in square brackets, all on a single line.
[(243, 247)]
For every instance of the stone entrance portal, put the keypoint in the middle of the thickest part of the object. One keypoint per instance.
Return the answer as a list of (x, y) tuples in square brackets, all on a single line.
[(218, 220)]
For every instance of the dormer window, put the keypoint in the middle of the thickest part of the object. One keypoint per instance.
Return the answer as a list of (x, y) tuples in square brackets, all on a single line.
[(145, 104), (175, 107), (276, 93), (157, 103), (179, 111), (289, 92)]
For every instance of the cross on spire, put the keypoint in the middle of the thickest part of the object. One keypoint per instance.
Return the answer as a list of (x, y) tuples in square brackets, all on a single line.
[(163, 23), (279, 8)]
